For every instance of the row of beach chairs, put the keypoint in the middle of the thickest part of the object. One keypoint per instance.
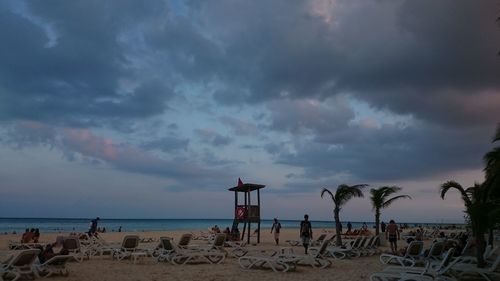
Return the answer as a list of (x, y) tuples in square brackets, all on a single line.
[(438, 263), (318, 256)]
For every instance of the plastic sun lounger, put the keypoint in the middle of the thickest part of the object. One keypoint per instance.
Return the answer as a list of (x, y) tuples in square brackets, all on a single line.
[(490, 273), (314, 258), (20, 265), (413, 253), (429, 273), (212, 254), (54, 265), (276, 263), (129, 245)]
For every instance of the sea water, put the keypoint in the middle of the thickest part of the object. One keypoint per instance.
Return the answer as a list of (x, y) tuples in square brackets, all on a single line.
[(9, 225)]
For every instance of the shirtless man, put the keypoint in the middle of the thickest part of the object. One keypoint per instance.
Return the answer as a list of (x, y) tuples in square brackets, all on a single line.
[(392, 234)]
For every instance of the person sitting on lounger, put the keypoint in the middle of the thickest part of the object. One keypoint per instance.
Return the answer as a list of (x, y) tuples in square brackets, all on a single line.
[(27, 236), (216, 229), (235, 234), (36, 236), (48, 252), (227, 231)]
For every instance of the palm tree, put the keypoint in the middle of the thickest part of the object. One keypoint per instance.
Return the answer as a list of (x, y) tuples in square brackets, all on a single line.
[(343, 194), (479, 209), (380, 201), (492, 161), (492, 180)]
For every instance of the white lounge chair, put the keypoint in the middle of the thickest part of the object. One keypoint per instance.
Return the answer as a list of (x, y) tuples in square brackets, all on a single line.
[(129, 245), (413, 254), (315, 257), (213, 254), (166, 249), (54, 265), (72, 244), (313, 242), (20, 265), (185, 240), (276, 263), (431, 272), (348, 250), (236, 248), (490, 273)]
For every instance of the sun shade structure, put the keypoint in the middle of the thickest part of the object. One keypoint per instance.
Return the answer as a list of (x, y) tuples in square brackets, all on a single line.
[(246, 213)]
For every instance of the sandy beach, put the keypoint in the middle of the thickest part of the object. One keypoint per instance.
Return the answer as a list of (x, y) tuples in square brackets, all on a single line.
[(104, 268)]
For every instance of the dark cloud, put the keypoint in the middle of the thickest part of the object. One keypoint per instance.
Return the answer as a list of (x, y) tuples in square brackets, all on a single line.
[(211, 137), (85, 64), (78, 78), (396, 55), (240, 127), (306, 116), (167, 144), (390, 152)]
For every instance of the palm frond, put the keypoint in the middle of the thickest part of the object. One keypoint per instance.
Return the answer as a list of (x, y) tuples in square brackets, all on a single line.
[(345, 193), (453, 184), (496, 137), (390, 201), (380, 194), (325, 190)]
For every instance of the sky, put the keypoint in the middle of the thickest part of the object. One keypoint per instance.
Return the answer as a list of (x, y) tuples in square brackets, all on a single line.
[(153, 109)]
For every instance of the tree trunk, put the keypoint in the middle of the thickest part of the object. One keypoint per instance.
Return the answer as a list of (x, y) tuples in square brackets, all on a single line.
[(490, 237), (377, 220), (480, 247), (336, 213)]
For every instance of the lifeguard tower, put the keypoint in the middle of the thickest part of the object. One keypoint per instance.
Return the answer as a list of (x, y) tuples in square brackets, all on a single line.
[(246, 213)]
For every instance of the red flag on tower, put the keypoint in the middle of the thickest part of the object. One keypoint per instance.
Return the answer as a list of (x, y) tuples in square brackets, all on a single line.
[(240, 183)]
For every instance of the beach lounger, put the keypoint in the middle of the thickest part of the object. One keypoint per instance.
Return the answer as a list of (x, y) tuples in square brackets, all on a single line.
[(166, 251), (276, 263), (363, 248), (311, 243), (413, 254), (213, 253), (161, 247), (490, 273), (373, 247), (72, 244), (236, 249), (435, 252), (54, 265), (129, 245), (315, 258), (20, 265), (348, 250), (432, 272), (185, 240)]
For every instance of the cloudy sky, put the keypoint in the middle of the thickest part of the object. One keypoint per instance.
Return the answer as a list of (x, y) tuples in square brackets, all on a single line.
[(152, 109)]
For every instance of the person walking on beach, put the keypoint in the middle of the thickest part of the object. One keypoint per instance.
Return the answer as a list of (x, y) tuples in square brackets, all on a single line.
[(392, 235), (306, 232), (93, 226), (349, 228), (276, 226), (382, 226)]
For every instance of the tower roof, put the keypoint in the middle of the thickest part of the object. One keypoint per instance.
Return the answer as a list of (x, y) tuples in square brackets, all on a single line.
[(246, 187)]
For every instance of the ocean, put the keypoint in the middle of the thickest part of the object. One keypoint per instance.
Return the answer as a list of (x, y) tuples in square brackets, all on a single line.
[(9, 225)]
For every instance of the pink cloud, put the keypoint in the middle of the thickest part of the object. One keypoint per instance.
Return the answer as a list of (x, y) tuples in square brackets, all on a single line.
[(84, 142)]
